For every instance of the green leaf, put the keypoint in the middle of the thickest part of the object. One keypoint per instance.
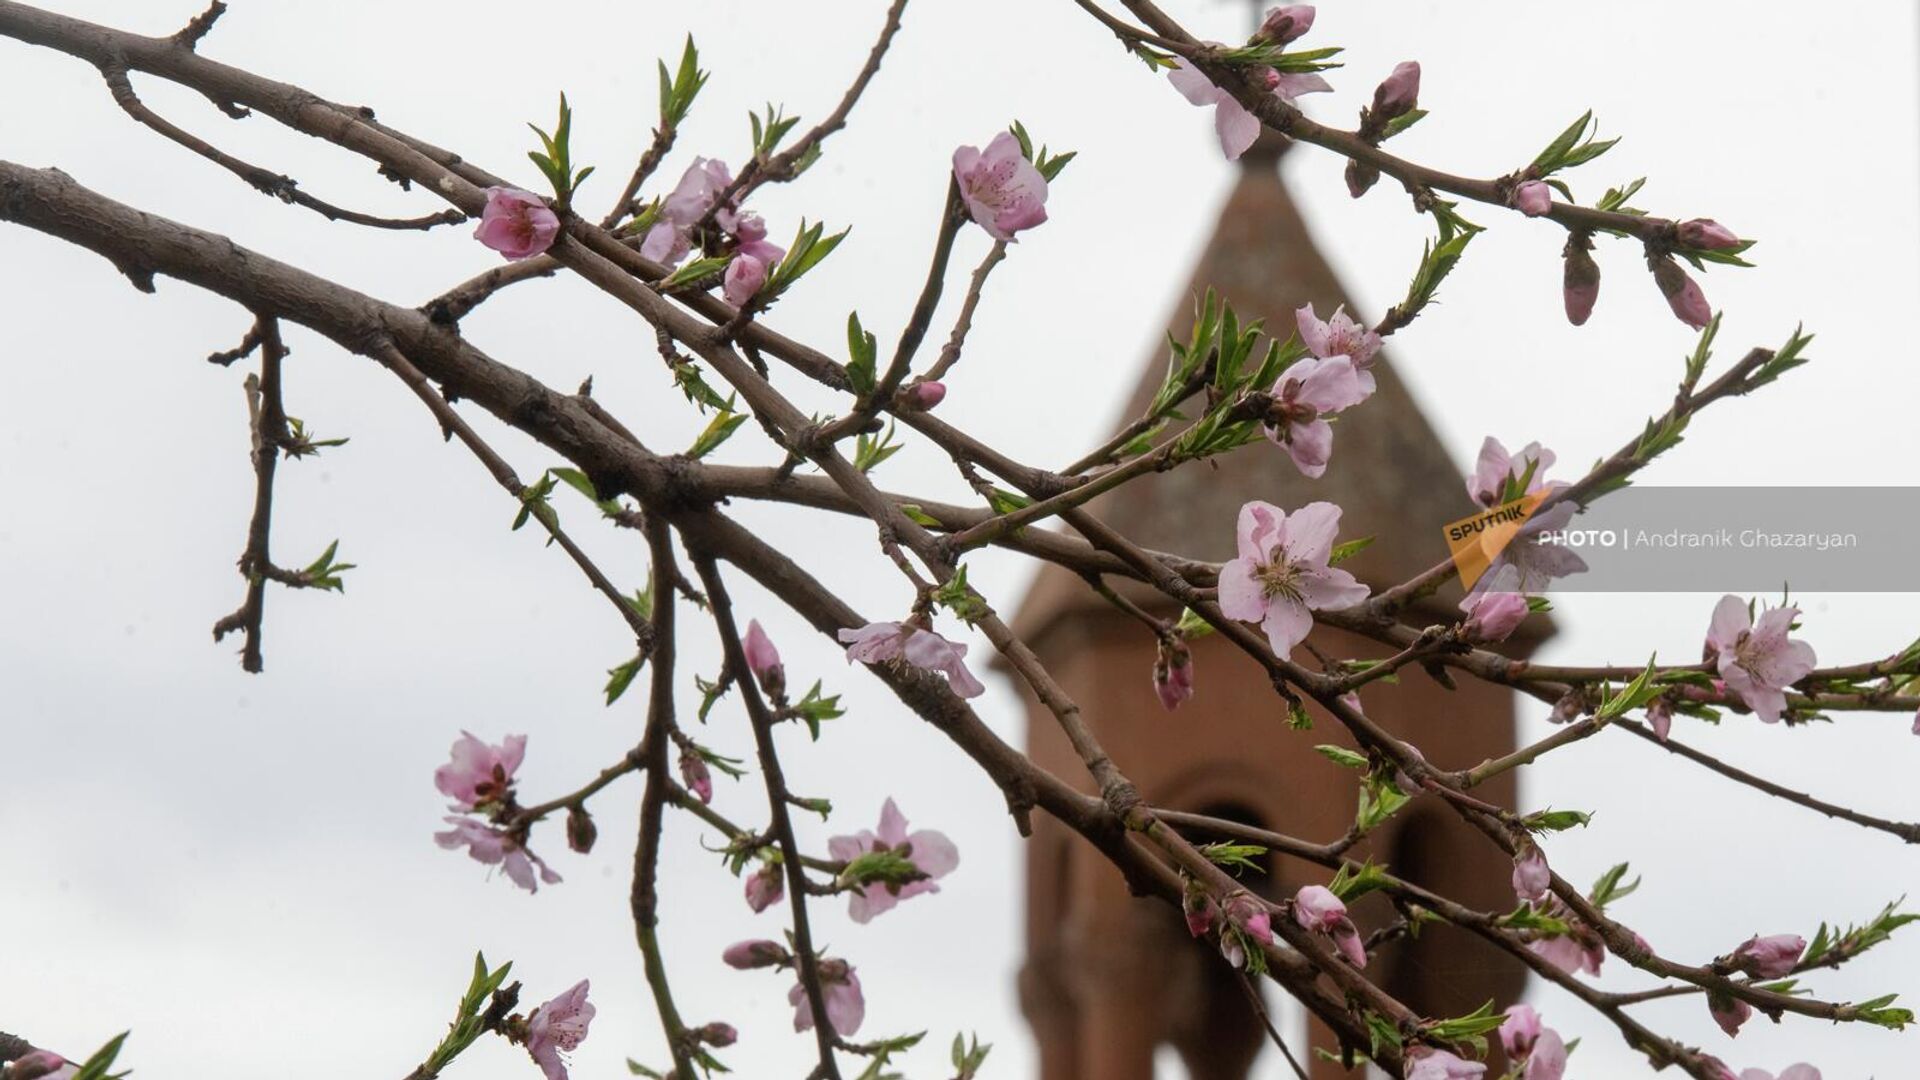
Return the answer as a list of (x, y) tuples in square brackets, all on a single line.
[(1608, 888), (1349, 884), (1342, 756), (1342, 552), (1235, 857), (1635, 694), (1549, 159), (718, 430), (1402, 122), (619, 678), (1526, 917), (95, 1067), (1546, 821), (863, 348), (870, 450), (677, 93), (695, 271)]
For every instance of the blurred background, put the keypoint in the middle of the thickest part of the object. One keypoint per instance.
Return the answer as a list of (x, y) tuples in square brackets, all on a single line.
[(241, 869)]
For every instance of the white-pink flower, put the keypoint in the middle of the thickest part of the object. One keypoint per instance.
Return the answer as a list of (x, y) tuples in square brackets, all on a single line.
[(840, 993), (1493, 616), (1519, 1031), (559, 1027), (927, 849), (1003, 191), (1802, 1071), (699, 188), (1525, 565), (1307, 392), (1281, 576), (1232, 121), (517, 224), (1316, 908), (1340, 335), (880, 642), (1755, 657), (1770, 957), (766, 887), (479, 774), (496, 847), (1427, 1063)]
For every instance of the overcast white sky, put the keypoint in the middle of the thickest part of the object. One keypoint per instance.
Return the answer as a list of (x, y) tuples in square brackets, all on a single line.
[(239, 868)]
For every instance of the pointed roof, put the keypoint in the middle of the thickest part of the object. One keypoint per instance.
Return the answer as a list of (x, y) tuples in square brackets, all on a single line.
[(1390, 474)]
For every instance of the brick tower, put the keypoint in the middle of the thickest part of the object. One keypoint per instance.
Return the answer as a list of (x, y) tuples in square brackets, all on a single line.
[(1109, 979)]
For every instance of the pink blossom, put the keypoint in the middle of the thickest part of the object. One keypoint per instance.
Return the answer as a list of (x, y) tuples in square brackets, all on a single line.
[(1683, 294), (699, 188), (1286, 24), (1307, 392), (840, 991), (1728, 1011), (1427, 1063), (1316, 908), (1533, 198), (1251, 916), (743, 280), (929, 851), (1802, 1071), (1496, 468), (1771, 957), (1232, 122), (1579, 949), (1549, 1058), (1519, 1030), (1756, 658), (1493, 616), (559, 1026), (1580, 283), (1706, 234), (716, 1034), (1531, 877), (40, 1065), (1340, 335), (1398, 93), (1173, 674), (1003, 191), (747, 955), (517, 224), (879, 642), (923, 396), (1525, 565), (1282, 576), (765, 887), (1660, 717), (763, 659), (695, 774), (478, 774), (492, 846)]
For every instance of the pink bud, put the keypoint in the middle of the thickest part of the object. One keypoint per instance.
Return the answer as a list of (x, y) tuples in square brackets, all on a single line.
[(747, 955), (1567, 709), (1581, 282), (1706, 234), (1398, 93), (1251, 916), (1549, 1058), (693, 773), (716, 1034), (1519, 1030), (1660, 716), (1493, 616), (1173, 674), (1727, 1011), (1533, 198), (581, 831), (35, 1065), (1768, 957), (764, 659), (1285, 24), (1531, 877), (765, 887), (745, 276), (1199, 909), (923, 396), (1683, 294), (517, 224)]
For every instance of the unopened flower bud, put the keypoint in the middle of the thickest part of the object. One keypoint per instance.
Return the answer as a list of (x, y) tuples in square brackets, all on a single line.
[(1770, 957), (747, 955), (1251, 916), (1199, 908), (1493, 616), (1360, 177), (581, 831), (1531, 877), (35, 1065), (1706, 234), (1519, 1030), (1173, 673), (764, 659), (765, 887), (1728, 1011), (1285, 24), (923, 396), (1533, 198), (694, 773), (1581, 286), (1683, 294), (1398, 93), (1660, 716), (715, 1034), (1567, 709)]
